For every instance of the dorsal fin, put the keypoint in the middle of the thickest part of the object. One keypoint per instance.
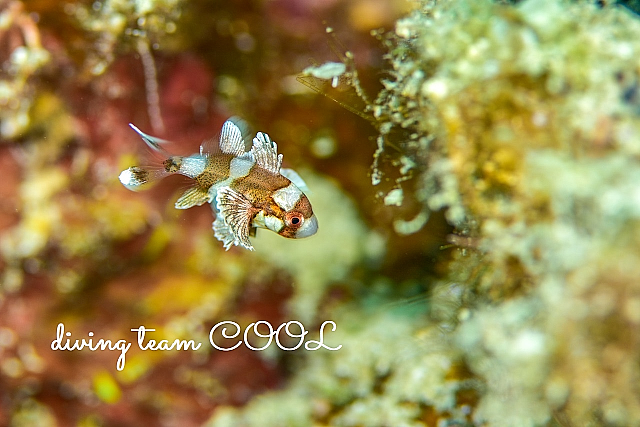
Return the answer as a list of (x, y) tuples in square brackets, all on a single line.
[(214, 145), (153, 142), (265, 152), (245, 130), (293, 176), (231, 140)]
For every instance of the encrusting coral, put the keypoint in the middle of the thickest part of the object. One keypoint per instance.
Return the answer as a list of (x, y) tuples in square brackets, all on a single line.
[(524, 122)]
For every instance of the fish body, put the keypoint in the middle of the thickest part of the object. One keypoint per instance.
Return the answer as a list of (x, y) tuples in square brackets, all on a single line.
[(246, 189)]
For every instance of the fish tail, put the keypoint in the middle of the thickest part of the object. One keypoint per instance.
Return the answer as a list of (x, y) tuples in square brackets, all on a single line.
[(138, 178)]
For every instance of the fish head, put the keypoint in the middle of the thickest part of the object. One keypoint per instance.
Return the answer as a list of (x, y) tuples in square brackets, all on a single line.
[(289, 214), (300, 221), (295, 213)]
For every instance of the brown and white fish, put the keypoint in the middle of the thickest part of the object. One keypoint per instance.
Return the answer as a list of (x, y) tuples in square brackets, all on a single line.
[(246, 189)]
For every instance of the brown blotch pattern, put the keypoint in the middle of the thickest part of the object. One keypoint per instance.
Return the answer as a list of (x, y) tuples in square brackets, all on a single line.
[(140, 175), (259, 185), (216, 170), (303, 206), (172, 164)]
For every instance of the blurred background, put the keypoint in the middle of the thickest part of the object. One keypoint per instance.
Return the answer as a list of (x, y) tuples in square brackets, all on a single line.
[(476, 187), (78, 248)]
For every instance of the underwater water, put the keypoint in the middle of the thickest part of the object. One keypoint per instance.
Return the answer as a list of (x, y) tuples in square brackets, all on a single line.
[(476, 186)]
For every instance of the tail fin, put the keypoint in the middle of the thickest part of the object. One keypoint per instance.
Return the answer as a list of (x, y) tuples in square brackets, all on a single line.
[(139, 178)]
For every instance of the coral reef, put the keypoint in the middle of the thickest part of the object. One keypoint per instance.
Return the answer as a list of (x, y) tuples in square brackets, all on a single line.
[(114, 24), (523, 121), (392, 370)]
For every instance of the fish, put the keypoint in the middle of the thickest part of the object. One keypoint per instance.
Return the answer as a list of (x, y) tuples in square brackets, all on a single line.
[(247, 189)]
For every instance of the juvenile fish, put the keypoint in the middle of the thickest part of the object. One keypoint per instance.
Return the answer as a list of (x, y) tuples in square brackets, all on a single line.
[(246, 189)]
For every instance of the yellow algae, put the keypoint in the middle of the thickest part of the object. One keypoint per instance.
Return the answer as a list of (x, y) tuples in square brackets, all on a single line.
[(106, 387), (195, 290), (137, 366)]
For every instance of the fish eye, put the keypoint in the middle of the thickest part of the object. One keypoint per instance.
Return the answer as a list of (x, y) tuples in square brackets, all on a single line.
[(294, 219)]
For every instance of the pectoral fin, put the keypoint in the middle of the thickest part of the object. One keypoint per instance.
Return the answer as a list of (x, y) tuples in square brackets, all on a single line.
[(236, 212), (192, 197)]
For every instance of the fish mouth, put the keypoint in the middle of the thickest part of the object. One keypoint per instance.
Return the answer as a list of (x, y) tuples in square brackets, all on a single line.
[(309, 228)]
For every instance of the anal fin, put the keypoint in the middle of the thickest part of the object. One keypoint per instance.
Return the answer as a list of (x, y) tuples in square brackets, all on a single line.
[(194, 196)]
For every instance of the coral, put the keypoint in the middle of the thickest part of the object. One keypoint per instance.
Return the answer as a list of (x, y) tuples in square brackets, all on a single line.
[(116, 23), (391, 370), (523, 122), (519, 120), (21, 45)]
